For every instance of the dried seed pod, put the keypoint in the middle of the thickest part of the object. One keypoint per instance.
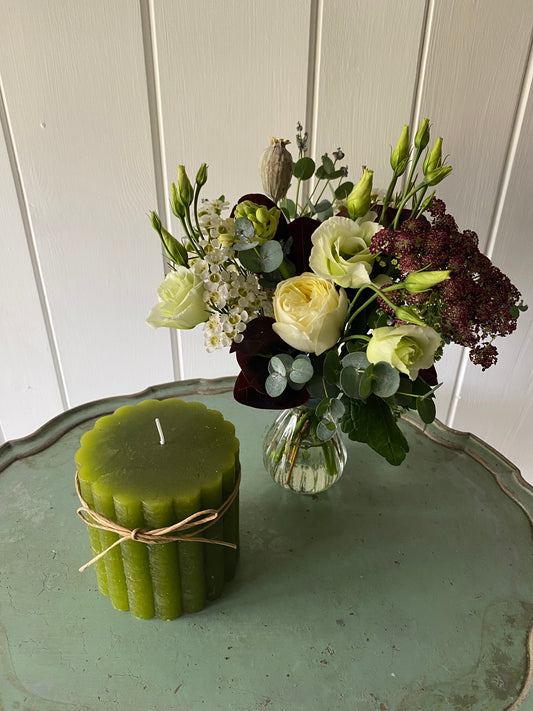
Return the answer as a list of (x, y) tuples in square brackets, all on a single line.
[(275, 169)]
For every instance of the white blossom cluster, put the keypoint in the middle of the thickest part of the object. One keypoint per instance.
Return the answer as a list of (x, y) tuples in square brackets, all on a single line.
[(233, 296)]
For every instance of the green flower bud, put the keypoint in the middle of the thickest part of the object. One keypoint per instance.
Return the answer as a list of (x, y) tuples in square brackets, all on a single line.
[(406, 313), (275, 169), (400, 155), (358, 200), (175, 202), (434, 157), (265, 221), (175, 250), (437, 175), (422, 135), (201, 175), (415, 282), (185, 191)]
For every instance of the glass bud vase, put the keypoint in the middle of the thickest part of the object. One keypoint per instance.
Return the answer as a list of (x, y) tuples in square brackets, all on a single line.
[(296, 458)]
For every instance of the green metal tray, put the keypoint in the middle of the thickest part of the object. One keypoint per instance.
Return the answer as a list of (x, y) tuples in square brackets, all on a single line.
[(400, 589)]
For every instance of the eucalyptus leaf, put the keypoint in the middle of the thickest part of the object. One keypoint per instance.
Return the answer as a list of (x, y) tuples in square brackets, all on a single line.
[(271, 255), (322, 206), (386, 380), (275, 384), (366, 383), (304, 168), (251, 260), (288, 208), (276, 365), (336, 409), (357, 360), (349, 381), (244, 229), (320, 173), (243, 245), (328, 165), (343, 190), (325, 430), (325, 215), (302, 370), (323, 407)]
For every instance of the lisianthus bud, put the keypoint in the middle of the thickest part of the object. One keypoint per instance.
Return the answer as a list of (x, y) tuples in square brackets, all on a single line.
[(201, 175), (400, 155), (434, 157), (175, 202), (174, 249), (358, 200), (437, 175), (422, 135), (406, 313), (264, 220), (185, 191), (415, 282), (275, 169)]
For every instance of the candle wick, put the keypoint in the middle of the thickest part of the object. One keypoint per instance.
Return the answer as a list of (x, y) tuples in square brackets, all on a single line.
[(159, 429)]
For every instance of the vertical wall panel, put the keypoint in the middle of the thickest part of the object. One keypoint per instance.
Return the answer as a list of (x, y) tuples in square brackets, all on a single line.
[(29, 393), (498, 404), (366, 79), (75, 88), (232, 75), (471, 86)]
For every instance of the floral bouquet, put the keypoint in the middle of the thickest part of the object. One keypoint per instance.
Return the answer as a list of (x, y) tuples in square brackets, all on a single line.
[(337, 301)]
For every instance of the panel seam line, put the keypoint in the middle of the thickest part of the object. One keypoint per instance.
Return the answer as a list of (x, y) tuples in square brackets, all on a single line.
[(5, 124)]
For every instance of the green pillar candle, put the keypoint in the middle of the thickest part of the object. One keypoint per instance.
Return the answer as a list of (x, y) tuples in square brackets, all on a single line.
[(141, 475)]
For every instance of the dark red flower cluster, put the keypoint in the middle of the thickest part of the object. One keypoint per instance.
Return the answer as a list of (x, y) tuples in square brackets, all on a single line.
[(473, 306)]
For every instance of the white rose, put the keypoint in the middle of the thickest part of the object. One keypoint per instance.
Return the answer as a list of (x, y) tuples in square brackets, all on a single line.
[(310, 313), (407, 348), (341, 251), (181, 303)]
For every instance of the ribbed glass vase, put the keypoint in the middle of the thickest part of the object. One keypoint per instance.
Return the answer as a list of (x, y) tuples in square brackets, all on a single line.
[(297, 459)]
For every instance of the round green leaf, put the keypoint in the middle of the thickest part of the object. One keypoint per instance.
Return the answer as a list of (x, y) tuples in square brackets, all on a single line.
[(304, 168), (325, 430), (244, 229), (328, 165), (386, 379), (251, 260), (271, 255), (349, 382), (276, 365), (336, 409), (275, 384), (357, 360), (367, 380), (343, 190), (302, 370)]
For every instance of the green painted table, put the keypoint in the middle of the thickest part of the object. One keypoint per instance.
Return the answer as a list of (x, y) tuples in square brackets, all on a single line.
[(399, 589)]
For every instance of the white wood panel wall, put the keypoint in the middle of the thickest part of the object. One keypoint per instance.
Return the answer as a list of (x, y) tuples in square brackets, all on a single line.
[(100, 101)]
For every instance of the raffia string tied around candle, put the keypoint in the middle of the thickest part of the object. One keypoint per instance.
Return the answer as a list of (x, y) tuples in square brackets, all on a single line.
[(180, 531)]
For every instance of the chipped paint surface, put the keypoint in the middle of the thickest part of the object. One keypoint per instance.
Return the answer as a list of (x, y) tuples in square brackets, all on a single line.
[(398, 590)]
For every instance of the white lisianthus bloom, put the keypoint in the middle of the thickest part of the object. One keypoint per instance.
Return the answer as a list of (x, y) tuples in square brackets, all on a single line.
[(181, 303), (407, 348), (309, 312), (341, 251)]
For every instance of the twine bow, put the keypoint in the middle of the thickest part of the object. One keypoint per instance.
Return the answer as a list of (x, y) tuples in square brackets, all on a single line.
[(180, 531)]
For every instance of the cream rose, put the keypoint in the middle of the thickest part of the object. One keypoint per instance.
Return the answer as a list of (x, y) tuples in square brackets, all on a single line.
[(181, 303), (408, 348), (341, 251), (309, 312)]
